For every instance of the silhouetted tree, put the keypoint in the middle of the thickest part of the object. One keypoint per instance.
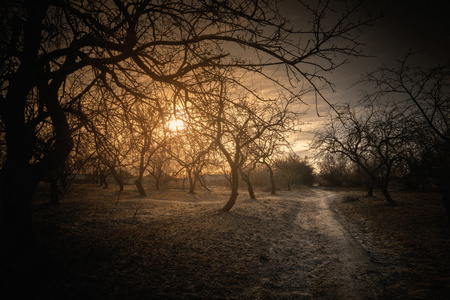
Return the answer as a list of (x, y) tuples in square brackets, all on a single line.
[(376, 138), (54, 52), (425, 91), (238, 122), (189, 146), (148, 137)]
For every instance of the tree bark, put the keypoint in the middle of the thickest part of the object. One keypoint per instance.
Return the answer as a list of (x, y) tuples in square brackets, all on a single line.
[(370, 190), (157, 183), (17, 240), (103, 174), (117, 177), (446, 200), (368, 182), (140, 187), (192, 182), (387, 196), (54, 190), (272, 182), (234, 190), (202, 182), (250, 190)]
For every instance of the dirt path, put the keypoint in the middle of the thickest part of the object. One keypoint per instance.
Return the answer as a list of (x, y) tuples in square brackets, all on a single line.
[(292, 245), (348, 273)]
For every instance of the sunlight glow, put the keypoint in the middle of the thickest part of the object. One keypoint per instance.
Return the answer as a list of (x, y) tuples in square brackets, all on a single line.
[(176, 125)]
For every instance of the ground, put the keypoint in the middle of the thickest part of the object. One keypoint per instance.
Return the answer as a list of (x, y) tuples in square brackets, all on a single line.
[(302, 244)]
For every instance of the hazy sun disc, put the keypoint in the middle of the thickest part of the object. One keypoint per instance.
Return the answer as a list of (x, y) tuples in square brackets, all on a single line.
[(175, 125)]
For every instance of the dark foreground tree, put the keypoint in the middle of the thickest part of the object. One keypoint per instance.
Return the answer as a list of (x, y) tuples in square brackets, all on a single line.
[(424, 91), (53, 52)]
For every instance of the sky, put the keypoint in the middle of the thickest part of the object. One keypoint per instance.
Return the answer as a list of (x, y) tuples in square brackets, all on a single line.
[(406, 25)]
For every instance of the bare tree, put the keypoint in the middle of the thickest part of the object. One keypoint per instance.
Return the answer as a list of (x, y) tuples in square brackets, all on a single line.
[(335, 169), (148, 137), (376, 138), (248, 166), (189, 146), (238, 122), (48, 46), (426, 92), (268, 149), (158, 167)]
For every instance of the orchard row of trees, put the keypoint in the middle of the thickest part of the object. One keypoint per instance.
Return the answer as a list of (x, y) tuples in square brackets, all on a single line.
[(400, 130), (237, 138), (114, 72)]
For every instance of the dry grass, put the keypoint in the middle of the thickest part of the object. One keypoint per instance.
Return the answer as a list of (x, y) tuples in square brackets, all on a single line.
[(97, 245), (409, 242), (173, 245)]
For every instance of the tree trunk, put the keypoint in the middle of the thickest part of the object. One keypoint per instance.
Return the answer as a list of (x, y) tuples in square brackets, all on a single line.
[(63, 180), (387, 196), (246, 178), (157, 183), (368, 182), (234, 190), (272, 181), (251, 192), (446, 200), (370, 190), (54, 190), (192, 183), (17, 241), (103, 174), (140, 187), (117, 177), (202, 183), (119, 182), (18, 178)]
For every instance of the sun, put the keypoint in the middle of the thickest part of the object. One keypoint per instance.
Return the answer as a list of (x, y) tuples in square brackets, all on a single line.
[(176, 125)]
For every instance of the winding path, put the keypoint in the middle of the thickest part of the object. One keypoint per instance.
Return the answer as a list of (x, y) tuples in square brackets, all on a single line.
[(349, 273)]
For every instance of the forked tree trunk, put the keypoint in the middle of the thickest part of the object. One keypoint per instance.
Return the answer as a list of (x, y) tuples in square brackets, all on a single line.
[(234, 180)]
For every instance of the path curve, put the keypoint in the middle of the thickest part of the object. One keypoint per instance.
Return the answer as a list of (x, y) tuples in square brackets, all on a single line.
[(350, 272)]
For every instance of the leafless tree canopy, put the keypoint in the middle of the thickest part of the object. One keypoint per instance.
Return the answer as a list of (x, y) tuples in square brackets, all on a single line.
[(402, 129), (104, 68)]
